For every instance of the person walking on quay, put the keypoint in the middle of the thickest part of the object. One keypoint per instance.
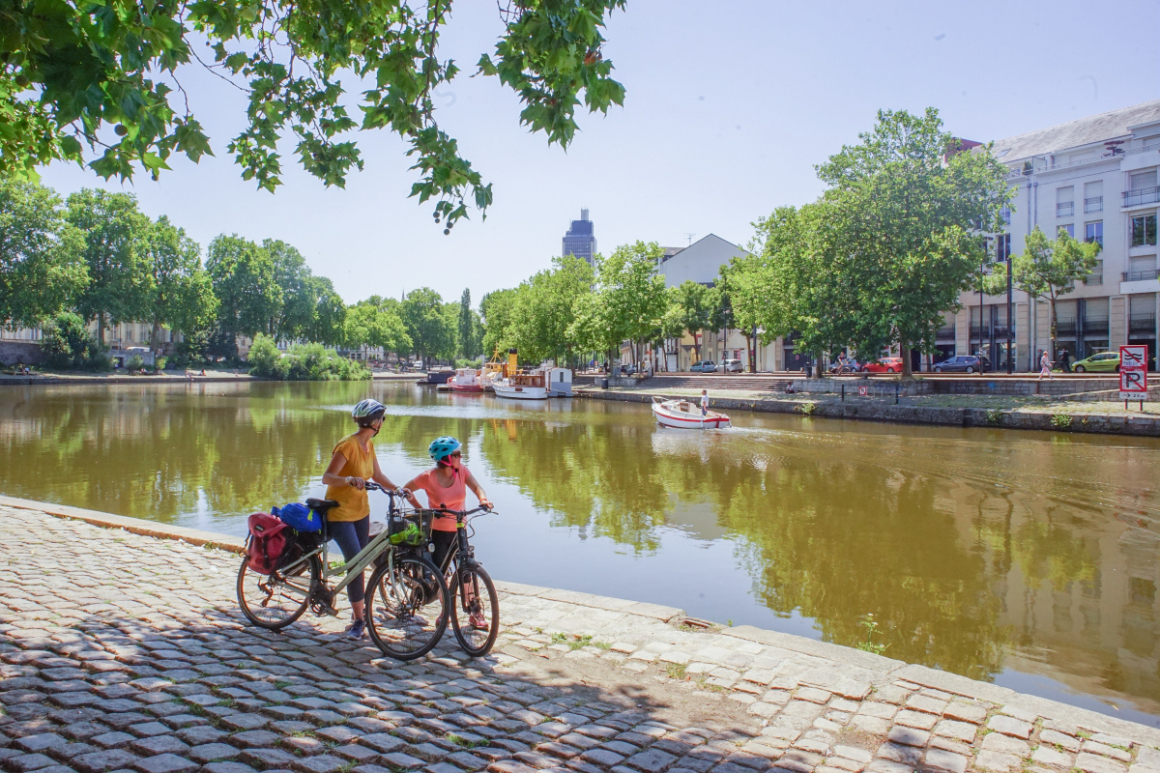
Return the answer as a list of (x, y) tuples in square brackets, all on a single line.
[(446, 487), (352, 464), (1065, 360), (1044, 366)]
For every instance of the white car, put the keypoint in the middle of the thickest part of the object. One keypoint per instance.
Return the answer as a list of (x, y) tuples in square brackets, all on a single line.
[(732, 366)]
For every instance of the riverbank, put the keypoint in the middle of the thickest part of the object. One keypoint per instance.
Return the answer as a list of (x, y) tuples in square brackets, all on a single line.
[(1088, 412), (165, 377), (133, 655)]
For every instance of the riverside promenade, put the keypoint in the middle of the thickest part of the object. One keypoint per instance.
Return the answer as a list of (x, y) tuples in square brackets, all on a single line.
[(121, 651)]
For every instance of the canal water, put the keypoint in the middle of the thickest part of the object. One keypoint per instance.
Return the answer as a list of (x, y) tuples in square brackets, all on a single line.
[(1028, 559)]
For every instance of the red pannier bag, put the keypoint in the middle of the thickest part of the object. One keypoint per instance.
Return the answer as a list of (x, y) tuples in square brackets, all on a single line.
[(268, 540)]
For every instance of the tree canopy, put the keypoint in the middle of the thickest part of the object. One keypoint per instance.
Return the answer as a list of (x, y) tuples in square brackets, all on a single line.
[(245, 283), (42, 270), (100, 83)]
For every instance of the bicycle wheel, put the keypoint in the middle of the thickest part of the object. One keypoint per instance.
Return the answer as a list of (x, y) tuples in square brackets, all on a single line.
[(275, 600), (473, 595), (406, 608)]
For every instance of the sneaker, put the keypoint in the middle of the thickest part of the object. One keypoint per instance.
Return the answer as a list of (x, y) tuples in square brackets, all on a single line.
[(477, 620), (357, 629)]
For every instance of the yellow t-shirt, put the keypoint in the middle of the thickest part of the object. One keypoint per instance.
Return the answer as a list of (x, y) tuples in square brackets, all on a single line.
[(353, 504)]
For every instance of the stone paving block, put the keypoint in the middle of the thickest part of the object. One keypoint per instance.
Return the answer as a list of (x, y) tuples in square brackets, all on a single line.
[(161, 744), (39, 742), (997, 762), (1011, 726), (1096, 763), (104, 761), (166, 763), (908, 736), (401, 761), (212, 752), (1052, 758), (940, 759), (1005, 744), (906, 755), (112, 740), (916, 719), (602, 757), (1094, 747), (21, 763), (960, 731), (965, 712), (1148, 757), (1112, 740), (227, 767), (266, 759)]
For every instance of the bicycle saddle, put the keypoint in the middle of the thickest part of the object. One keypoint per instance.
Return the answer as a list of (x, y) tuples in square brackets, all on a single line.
[(321, 505)]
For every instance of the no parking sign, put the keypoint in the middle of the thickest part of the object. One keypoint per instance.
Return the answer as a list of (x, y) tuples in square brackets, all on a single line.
[(1134, 372)]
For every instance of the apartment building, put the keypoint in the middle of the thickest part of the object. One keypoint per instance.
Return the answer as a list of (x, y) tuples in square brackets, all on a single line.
[(1095, 178)]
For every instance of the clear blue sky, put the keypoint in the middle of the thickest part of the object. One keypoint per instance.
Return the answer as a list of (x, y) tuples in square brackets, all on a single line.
[(729, 106)]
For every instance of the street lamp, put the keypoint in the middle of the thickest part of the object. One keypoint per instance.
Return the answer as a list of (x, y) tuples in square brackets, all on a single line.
[(1007, 249)]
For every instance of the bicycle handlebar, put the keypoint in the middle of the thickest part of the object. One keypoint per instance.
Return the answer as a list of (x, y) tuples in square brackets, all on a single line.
[(399, 492), (460, 514)]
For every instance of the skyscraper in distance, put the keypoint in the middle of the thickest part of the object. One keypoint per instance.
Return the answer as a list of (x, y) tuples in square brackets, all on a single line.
[(581, 238)]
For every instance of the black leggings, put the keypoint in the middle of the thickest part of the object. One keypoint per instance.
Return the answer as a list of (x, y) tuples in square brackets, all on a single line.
[(443, 542)]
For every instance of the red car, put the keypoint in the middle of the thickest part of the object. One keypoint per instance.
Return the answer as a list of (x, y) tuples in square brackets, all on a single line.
[(884, 365)]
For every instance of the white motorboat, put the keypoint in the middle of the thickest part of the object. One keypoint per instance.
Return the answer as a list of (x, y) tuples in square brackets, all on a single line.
[(466, 380), (540, 384), (685, 414)]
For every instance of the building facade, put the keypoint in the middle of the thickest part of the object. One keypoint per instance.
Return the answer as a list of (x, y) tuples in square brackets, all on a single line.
[(580, 240), (1096, 179)]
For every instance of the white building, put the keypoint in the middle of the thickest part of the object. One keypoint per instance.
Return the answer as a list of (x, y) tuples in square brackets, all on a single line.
[(1096, 178)]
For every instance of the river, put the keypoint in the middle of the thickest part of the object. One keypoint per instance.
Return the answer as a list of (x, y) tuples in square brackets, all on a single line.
[(1027, 559)]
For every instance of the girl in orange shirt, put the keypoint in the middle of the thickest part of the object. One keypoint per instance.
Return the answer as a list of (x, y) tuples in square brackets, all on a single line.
[(446, 486)]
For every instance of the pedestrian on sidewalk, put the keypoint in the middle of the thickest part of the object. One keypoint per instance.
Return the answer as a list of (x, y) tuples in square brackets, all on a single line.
[(1065, 360), (1044, 366)]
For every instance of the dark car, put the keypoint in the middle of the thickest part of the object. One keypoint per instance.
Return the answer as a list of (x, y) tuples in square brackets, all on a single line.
[(963, 363)]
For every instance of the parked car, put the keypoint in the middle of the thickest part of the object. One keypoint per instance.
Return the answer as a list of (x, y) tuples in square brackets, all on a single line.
[(732, 366), (704, 366), (1105, 362), (963, 363), (628, 369), (884, 365)]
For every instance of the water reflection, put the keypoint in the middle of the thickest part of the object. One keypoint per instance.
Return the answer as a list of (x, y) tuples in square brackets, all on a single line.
[(982, 552)]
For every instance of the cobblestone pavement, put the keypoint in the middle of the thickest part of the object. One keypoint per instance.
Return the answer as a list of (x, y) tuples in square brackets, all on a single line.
[(122, 652)]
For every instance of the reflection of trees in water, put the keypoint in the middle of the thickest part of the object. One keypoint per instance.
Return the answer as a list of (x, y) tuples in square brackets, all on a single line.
[(603, 481), (151, 451)]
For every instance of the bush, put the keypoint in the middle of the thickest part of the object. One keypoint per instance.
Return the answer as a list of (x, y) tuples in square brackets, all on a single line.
[(135, 363), (159, 363), (462, 363), (68, 345), (304, 362)]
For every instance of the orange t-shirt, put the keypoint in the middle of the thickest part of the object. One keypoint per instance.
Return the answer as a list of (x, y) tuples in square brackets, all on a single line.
[(452, 497)]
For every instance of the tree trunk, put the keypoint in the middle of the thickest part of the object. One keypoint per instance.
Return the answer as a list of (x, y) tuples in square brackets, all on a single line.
[(818, 364), (904, 350), (154, 337), (1051, 354), (101, 328)]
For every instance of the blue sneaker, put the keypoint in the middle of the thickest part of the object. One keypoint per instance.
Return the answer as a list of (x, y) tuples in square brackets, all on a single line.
[(357, 630)]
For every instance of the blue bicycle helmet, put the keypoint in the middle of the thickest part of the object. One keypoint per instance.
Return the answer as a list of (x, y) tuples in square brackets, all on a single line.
[(442, 447)]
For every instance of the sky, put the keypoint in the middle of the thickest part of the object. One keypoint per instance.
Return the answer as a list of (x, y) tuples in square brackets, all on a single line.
[(726, 113)]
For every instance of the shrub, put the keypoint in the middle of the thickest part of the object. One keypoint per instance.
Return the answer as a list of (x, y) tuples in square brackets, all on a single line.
[(135, 363), (68, 345), (1061, 421), (303, 362), (159, 363), (462, 363)]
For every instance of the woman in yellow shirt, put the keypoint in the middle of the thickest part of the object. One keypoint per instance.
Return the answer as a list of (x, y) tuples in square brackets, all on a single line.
[(351, 466)]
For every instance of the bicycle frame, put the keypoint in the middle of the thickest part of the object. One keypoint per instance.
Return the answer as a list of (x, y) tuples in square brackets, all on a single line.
[(357, 565)]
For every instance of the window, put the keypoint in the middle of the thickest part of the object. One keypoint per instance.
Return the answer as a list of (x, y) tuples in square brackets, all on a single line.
[(1005, 213), (1096, 277), (1094, 232), (1065, 201), (1069, 228), (1093, 196), (1142, 180), (1143, 231), (1002, 247)]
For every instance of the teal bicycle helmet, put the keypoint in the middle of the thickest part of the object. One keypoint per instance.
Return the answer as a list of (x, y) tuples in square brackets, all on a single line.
[(443, 447)]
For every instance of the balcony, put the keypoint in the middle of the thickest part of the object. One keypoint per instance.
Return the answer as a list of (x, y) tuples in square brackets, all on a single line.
[(1141, 196), (1142, 323), (946, 333), (1065, 209), (1094, 204), (1095, 326), (1065, 327), (1140, 276)]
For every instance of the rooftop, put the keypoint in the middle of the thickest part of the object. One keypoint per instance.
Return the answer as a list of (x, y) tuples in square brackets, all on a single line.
[(1074, 134)]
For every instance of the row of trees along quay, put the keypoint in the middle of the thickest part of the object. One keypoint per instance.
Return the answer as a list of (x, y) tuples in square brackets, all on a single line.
[(875, 262), (96, 258)]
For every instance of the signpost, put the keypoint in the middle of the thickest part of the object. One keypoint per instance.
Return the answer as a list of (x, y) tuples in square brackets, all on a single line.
[(1134, 374), (863, 391)]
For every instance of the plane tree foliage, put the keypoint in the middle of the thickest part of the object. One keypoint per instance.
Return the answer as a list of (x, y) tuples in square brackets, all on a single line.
[(180, 293), (42, 268), (100, 82), (246, 285)]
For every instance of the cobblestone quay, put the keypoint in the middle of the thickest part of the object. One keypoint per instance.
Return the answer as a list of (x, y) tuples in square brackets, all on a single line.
[(125, 652)]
